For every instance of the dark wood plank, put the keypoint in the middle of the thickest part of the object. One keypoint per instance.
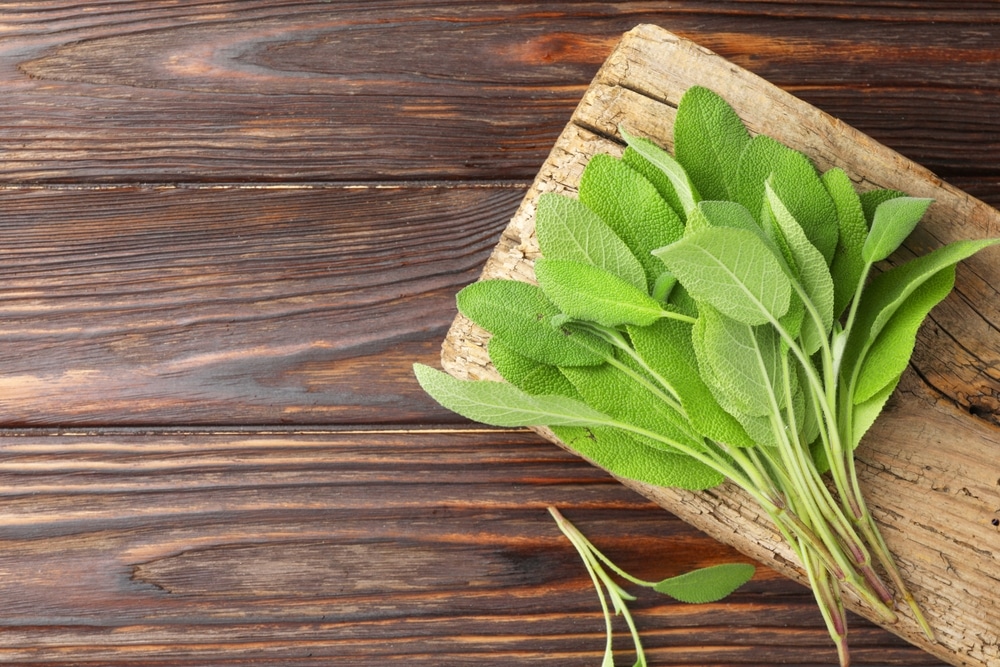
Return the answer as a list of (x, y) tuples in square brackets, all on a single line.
[(294, 305), (407, 547), (292, 91)]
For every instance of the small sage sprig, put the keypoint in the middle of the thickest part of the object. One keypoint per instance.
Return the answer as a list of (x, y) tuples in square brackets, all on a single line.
[(707, 584)]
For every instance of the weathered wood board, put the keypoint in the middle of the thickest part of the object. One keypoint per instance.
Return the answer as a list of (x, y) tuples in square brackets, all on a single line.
[(929, 466)]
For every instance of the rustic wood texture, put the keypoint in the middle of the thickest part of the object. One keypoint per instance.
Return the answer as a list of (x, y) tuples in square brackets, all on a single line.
[(928, 443), (226, 231)]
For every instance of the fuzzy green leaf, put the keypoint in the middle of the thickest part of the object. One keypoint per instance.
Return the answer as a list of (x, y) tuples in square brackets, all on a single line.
[(732, 270), (622, 455), (587, 293), (746, 362), (872, 199), (632, 207), (708, 584), (894, 220), (567, 229), (502, 404), (666, 346), (795, 180), (685, 191), (527, 374), (627, 397), (848, 265), (890, 352), (655, 175), (888, 291), (866, 412), (811, 268), (708, 140), (520, 315)]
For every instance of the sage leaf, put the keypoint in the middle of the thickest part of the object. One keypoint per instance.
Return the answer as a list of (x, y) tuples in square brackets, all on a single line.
[(872, 199), (502, 404), (795, 180), (666, 346), (746, 362), (708, 140), (732, 270), (848, 266), (623, 455), (520, 314), (655, 175), (632, 207), (630, 398), (568, 229), (687, 195), (893, 221), (708, 584), (812, 272), (888, 291), (867, 411), (527, 374), (890, 351), (588, 293)]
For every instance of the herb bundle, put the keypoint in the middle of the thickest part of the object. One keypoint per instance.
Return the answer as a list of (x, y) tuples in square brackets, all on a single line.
[(713, 315)]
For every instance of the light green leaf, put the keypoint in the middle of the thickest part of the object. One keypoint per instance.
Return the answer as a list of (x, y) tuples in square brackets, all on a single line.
[(655, 175), (687, 195), (632, 207), (890, 352), (866, 412), (888, 291), (667, 348), (520, 315), (587, 293), (796, 182), (527, 374), (812, 273), (746, 362), (624, 456), (848, 265), (871, 199), (627, 397), (732, 270), (502, 404), (568, 229), (708, 140), (708, 584), (894, 220)]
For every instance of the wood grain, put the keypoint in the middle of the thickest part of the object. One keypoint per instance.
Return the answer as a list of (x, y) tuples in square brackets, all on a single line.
[(943, 540), (292, 91), (233, 305), (337, 547)]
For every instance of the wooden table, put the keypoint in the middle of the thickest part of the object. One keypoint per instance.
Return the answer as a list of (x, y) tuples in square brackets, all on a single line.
[(229, 229)]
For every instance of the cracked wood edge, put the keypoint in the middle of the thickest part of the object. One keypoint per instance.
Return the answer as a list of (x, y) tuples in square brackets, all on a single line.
[(925, 466)]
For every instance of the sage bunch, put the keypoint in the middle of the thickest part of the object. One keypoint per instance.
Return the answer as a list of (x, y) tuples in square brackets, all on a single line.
[(719, 313)]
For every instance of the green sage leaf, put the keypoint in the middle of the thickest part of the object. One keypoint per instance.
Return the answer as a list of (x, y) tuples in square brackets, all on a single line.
[(687, 195), (568, 229), (520, 315), (588, 293), (632, 207), (732, 270), (890, 351), (708, 140), (894, 220), (812, 272), (502, 404), (708, 584), (848, 264)]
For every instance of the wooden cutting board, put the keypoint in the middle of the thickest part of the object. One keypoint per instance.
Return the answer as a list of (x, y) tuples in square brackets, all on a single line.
[(931, 465)]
